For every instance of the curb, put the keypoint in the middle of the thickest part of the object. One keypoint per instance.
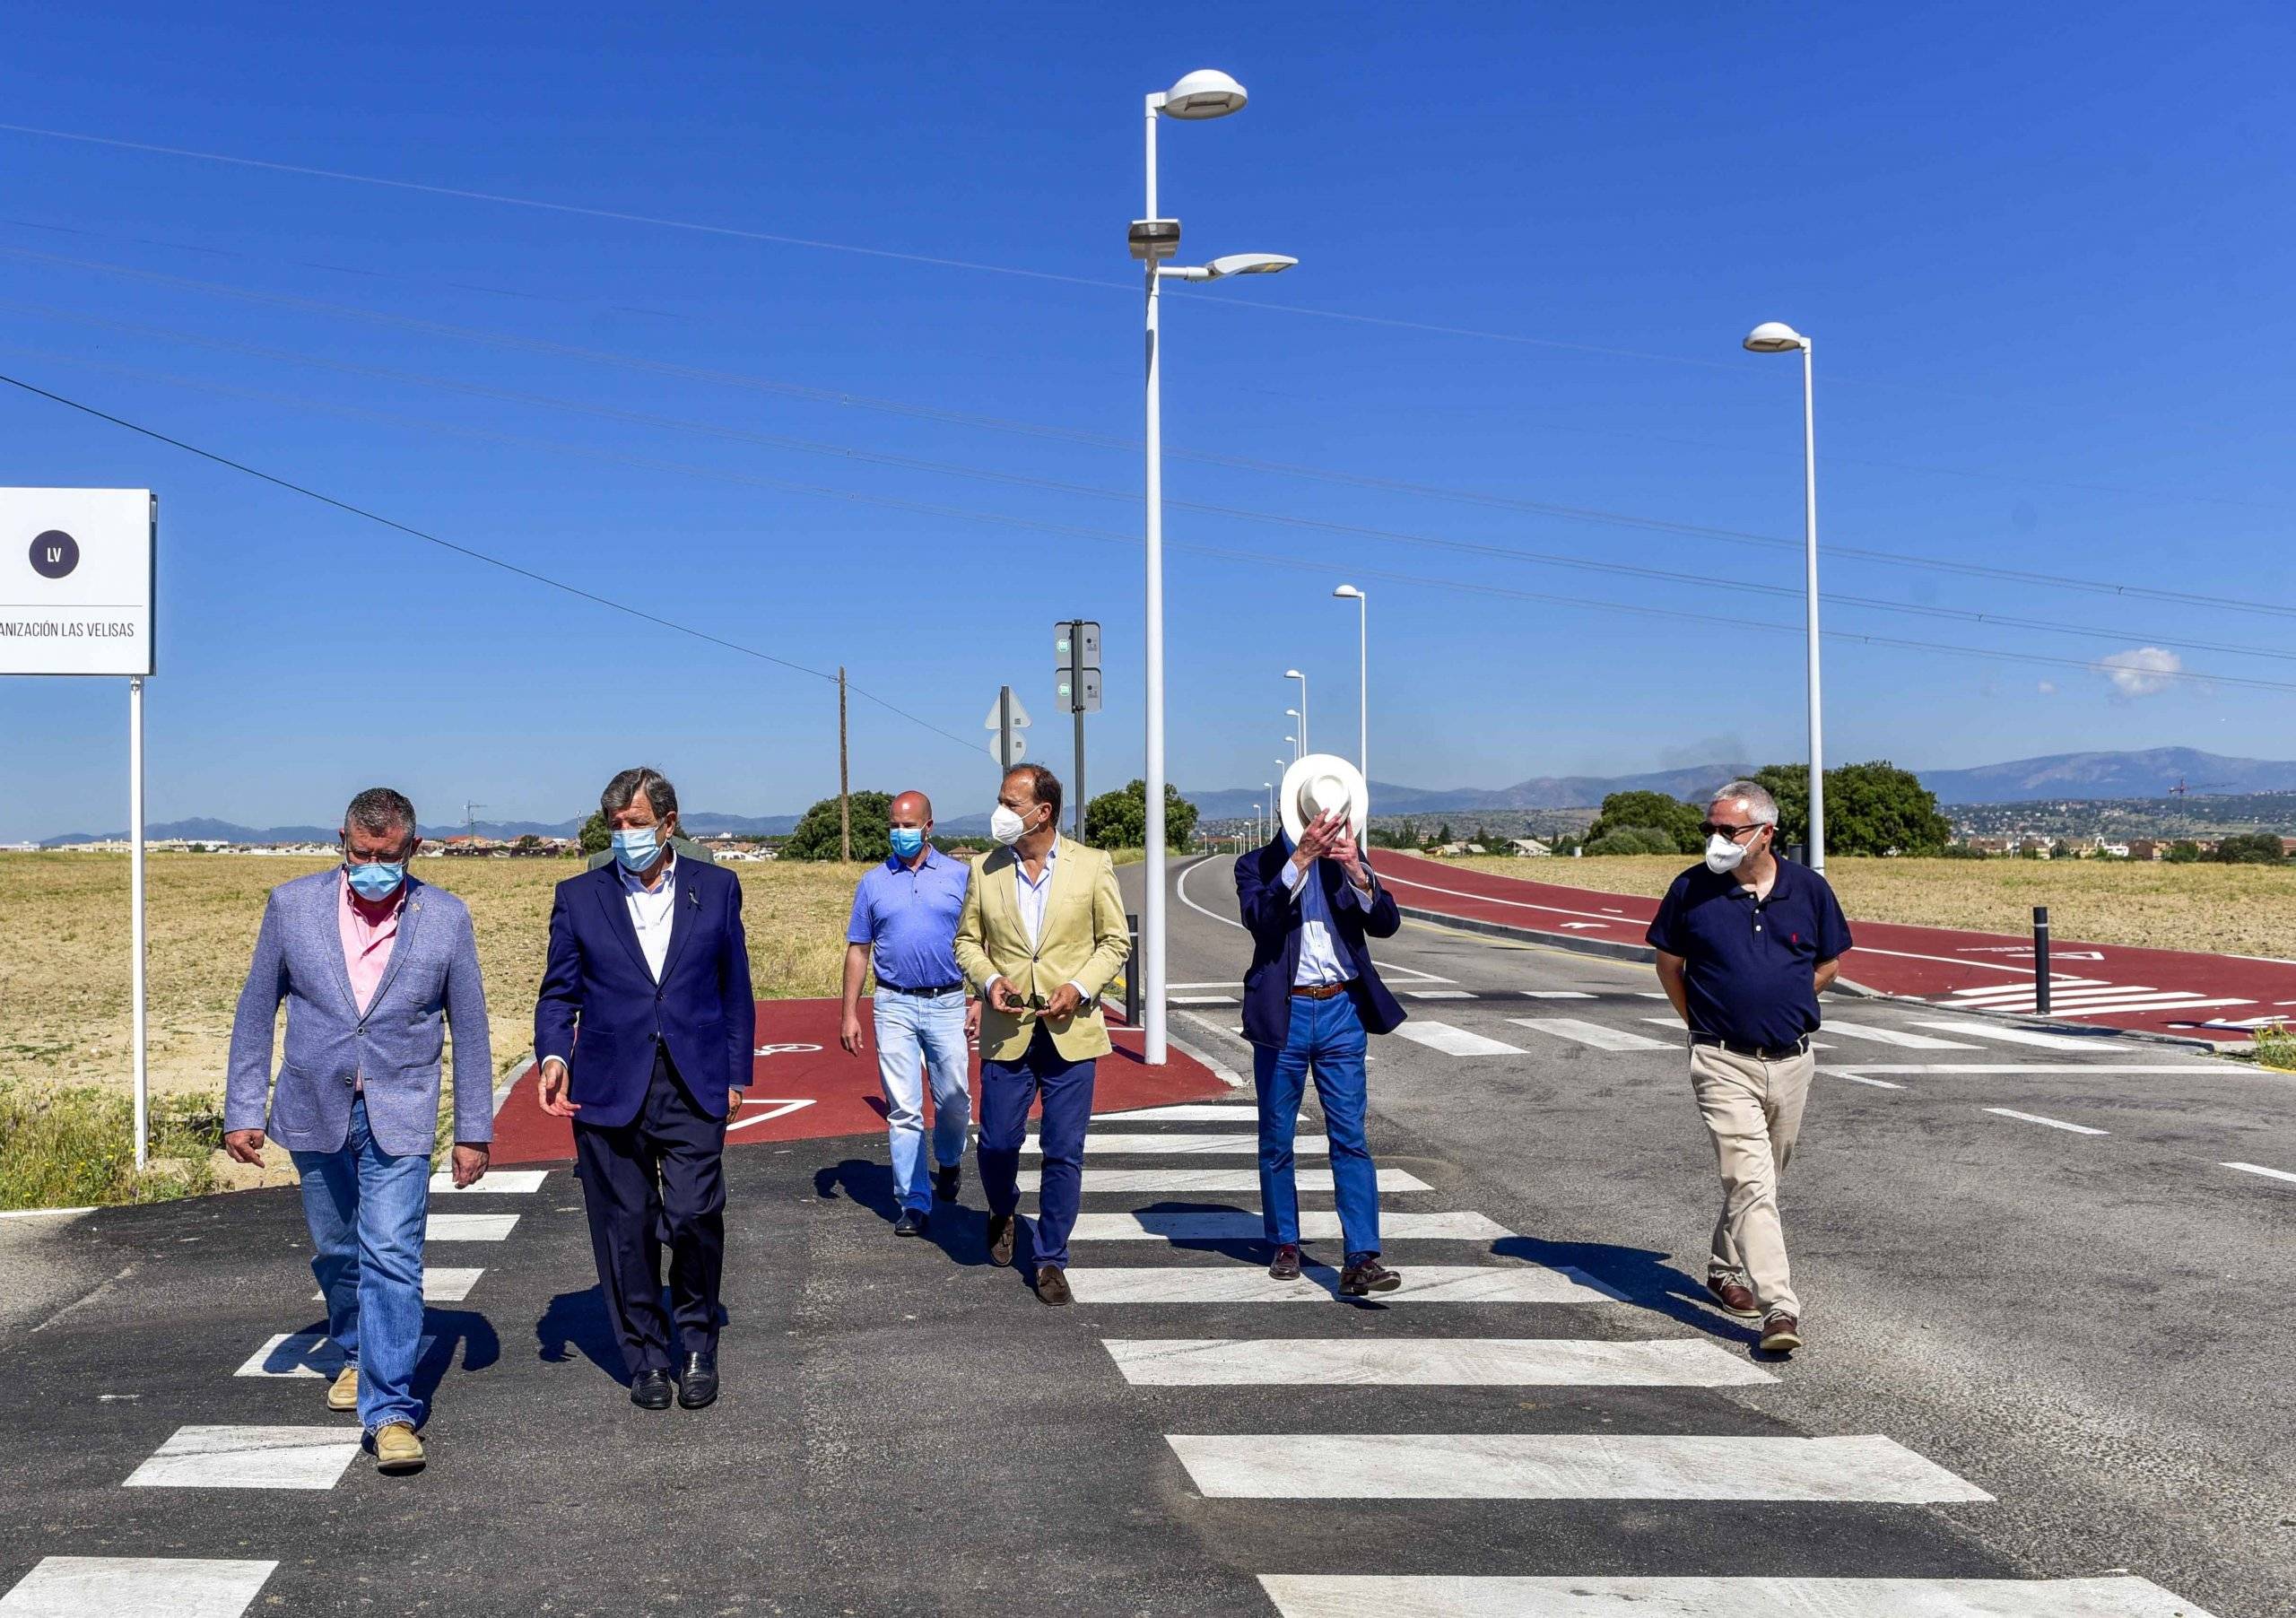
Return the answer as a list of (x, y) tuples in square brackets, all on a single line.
[(517, 1071)]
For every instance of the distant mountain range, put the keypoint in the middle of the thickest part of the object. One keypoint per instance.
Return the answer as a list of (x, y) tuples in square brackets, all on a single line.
[(2149, 773)]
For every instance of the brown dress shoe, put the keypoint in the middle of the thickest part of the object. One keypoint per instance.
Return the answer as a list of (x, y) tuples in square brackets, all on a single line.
[(1734, 1296), (1781, 1334), (1365, 1274), (1286, 1267), (1052, 1285), (1000, 1239)]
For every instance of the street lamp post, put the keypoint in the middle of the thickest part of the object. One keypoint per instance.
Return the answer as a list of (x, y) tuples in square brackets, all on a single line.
[(1268, 832), (1293, 673), (1348, 592), (1293, 713), (1776, 337), (1202, 94)]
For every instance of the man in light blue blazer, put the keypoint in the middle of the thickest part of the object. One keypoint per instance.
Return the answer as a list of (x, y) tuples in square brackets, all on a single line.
[(374, 967)]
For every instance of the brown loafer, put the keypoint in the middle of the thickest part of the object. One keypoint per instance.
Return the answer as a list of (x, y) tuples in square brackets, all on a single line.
[(1000, 1239), (1365, 1274), (1781, 1334), (1286, 1267), (1052, 1285), (1734, 1296)]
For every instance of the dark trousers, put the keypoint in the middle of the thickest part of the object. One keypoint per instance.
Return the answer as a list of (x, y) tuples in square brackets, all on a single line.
[(660, 1176), (1007, 1090)]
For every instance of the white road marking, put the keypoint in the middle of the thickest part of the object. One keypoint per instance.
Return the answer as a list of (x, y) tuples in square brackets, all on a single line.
[(1377, 1595), (1201, 999), (1583, 1032), (471, 1227), (1561, 1465), (2058, 983), (776, 1107), (1557, 994), (1193, 1112), (1214, 1180), (248, 1458), (2016, 1036), (1428, 1362), (1649, 994), (1893, 1036), (1456, 1041), (442, 1283), (1239, 1224), (136, 1587), (1191, 1145), (65, 1214), (1859, 1078), (1207, 1024), (1964, 1067), (305, 1355), (2035, 1117), (1319, 1283), (2260, 1169), (504, 1182), (1437, 993)]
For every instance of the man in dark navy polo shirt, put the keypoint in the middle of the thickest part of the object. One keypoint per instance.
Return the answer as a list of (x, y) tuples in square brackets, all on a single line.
[(1745, 943)]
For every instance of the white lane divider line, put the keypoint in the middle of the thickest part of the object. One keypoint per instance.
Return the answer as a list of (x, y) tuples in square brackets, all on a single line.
[(2260, 1169), (1428, 1362), (1566, 1466), (1392, 1596), (2016, 1036), (500, 1182), (1582, 1032), (1200, 999), (1244, 1224), (1099, 1179), (471, 1227), (1186, 1145), (1893, 1036), (1456, 1041), (2035, 1117), (1192, 1112), (1319, 1283), (775, 1107), (132, 1586), (1437, 993), (303, 1355), (1859, 1078), (248, 1458)]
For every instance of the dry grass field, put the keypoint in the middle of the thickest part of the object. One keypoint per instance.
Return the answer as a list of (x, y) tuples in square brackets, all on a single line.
[(2230, 909)]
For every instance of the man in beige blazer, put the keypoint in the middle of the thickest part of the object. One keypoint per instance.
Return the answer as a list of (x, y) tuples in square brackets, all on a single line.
[(1042, 935)]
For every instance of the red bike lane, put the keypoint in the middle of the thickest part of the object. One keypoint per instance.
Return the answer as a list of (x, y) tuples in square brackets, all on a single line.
[(2179, 992)]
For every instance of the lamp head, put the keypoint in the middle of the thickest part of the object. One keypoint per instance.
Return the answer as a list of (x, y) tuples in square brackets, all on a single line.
[(1206, 94), (1250, 264), (1293, 673), (1348, 592), (1775, 337)]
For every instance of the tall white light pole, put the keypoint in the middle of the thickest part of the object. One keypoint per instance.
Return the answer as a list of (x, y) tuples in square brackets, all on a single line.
[(1348, 592), (1776, 337), (1255, 832), (1293, 673), (1297, 750), (1206, 94), (1273, 819)]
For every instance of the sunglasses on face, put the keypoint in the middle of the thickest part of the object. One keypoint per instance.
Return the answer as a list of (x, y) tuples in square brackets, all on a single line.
[(1715, 829)]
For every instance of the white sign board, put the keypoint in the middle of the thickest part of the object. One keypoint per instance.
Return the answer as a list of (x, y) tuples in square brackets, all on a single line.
[(75, 581)]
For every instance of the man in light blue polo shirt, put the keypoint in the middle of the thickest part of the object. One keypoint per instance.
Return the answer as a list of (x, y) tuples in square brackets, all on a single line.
[(904, 926)]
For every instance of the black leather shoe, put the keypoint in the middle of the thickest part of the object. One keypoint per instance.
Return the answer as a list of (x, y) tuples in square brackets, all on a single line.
[(1286, 1267), (651, 1390), (911, 1224), (698, 1382), (1052, 1285), (1000, 1239), (945, 1181)]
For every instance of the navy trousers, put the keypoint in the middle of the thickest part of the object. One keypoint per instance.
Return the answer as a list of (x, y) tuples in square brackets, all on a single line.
[(658, 1177), (1007, 1090)]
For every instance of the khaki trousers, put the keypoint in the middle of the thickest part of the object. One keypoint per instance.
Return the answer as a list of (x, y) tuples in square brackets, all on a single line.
[(1753, 1110)]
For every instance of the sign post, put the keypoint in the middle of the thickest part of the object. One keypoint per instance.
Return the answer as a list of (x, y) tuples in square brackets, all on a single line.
[(1007, 719), (77, 569), (1077, 680)]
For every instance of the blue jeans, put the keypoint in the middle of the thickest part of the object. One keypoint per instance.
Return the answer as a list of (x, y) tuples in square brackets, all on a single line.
[(1007, 1090), (366, 1211), (913, 1034), (1327, 1035)]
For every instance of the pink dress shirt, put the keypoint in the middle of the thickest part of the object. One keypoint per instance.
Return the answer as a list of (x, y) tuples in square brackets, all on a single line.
[(369, 932)]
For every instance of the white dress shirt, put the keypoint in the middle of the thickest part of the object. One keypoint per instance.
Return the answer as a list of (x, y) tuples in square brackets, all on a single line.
[(1320, 962), (650, 912), (1033, 896)]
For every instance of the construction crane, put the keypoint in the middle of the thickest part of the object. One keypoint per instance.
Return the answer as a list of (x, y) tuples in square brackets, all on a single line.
[(470, 818), (2180, 789)]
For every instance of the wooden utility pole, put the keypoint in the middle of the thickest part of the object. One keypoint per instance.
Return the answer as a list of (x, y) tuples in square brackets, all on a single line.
[(844, 783)]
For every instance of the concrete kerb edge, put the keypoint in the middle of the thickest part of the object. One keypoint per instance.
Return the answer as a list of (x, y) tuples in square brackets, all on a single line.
[(1617, 950), (1220, 1070), (518, 1070)]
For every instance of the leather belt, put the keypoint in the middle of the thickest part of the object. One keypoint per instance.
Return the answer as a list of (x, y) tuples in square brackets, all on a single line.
[(930, 989), (1781, 1053), (1317, 991)]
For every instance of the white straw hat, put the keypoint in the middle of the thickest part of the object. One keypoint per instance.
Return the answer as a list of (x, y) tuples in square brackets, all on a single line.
[(1320, 784)]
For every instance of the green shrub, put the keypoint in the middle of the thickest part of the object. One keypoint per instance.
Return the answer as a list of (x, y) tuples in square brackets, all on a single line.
[(1634, 839), (2276, 1048), (73, 1147)]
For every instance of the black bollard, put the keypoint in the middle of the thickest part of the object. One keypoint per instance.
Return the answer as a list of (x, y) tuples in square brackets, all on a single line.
[(1132, 975), (2041, 959)]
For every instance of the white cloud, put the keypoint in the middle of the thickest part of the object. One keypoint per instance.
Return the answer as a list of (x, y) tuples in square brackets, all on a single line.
[(2047, 688), (2140, 671)]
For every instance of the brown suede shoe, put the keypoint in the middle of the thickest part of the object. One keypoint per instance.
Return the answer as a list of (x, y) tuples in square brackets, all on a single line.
[(1000, 1239), (1781, 1334), (1734, 1296), (1052, 1285), (1286, 1267), (397, 1450)]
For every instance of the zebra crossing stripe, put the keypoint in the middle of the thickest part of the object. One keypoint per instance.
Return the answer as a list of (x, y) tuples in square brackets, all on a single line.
[(1454, 1041), (1557, 994), (1167, 1180), (1561, 1465), (1341, 1596), (1594, 1033), (304, 1355), (499, 1182), (471, 1227), (248, 1458), (1437, 993), (1238, 1224), (1204, 1112), (1428, 1362), (1893, 1036), (2013, 1036), (1192, 1145), (1319, 1283), (136, 1587), (442, 1283)]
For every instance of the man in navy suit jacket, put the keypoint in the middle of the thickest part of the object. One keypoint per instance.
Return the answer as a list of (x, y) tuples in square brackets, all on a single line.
[(1310, 996), (648, 965)]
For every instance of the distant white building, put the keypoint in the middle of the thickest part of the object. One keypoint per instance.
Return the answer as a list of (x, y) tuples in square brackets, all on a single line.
[(1530, 847)]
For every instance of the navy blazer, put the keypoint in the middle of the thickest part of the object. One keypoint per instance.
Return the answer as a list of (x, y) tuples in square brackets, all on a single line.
[(1272, 917), (597, 981)]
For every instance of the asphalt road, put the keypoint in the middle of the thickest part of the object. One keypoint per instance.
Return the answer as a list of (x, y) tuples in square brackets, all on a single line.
[(2090, 1328)]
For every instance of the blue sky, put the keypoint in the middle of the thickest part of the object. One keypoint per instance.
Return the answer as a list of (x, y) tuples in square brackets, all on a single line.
[(2043, 261)]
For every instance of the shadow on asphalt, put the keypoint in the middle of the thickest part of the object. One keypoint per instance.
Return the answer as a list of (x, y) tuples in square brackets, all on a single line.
[(1641, 1273), (460, 1334), (577, 1321)]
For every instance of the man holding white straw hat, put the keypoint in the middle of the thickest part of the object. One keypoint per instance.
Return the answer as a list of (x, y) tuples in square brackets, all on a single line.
[(1311, 905)]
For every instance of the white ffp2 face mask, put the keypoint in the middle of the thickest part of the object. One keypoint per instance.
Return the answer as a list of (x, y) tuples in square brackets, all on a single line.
[(1723, 855), (1006, 827)]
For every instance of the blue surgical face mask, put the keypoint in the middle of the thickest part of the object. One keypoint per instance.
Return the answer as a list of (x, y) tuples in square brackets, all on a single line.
[(638, 849), (908, 840), (377, 881)]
